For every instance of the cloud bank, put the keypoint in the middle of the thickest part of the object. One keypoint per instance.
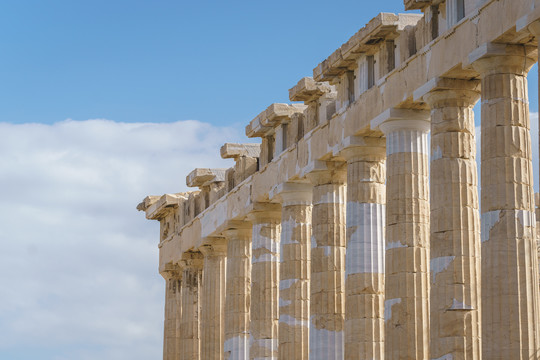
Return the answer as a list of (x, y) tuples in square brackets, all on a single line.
[(78, 265)]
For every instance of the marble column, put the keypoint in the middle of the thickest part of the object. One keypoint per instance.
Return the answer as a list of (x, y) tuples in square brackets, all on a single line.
[(213, 299), (455, 222), (510, 308), (178, 316), (295, 271), (238, 292), (406, 307), (266, 219), (172, 277), (192, 264), (364, 272), (327, 301)]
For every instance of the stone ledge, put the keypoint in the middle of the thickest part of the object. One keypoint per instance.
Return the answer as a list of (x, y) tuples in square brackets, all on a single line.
[(272, 117), (233, 151), (202, 177)]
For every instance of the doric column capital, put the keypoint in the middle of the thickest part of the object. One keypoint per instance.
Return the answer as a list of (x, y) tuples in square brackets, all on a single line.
[(192, 259), (491, 58), (238, 230), (307, 90), (204, 177), (531, 22), (215, 246), (236, 151), (328, 172), (264, 212), (171, 271), (442, 98), (291, 193), (394, 119), (394, 125), (159, 207), (363, 148), (445, 92), (534, 28)]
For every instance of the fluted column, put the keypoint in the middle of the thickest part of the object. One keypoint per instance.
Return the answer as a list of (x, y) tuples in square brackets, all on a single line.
[(192, 263), (172, 277), (213, 299), (510, 313), (266, 219), (178, 316), (364, 274), (406, 307), (238, 292), (295, 271), (455, 222), (327, 302)]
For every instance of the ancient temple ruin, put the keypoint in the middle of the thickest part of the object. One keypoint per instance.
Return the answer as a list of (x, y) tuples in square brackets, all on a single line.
[(348, 233)]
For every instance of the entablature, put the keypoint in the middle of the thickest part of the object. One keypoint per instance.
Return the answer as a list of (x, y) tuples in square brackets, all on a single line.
[(270, 118), (272, 126), (417, 4), (399, 89), (307, 90), (203, 177), (157, 207), (246, 162), (234, 151), (366, 41), (320, 101)]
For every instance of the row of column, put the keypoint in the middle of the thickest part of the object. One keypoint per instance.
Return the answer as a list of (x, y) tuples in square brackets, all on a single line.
[(181, 338), (350, 268)]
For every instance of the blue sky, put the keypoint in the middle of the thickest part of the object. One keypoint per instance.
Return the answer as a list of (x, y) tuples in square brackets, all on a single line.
[(162, 61), (154, 89)]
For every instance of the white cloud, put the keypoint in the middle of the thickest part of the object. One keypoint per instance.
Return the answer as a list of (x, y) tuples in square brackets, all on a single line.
[(78, 264)]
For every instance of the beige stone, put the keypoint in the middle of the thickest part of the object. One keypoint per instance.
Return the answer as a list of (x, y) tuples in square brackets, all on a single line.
[(233, 151), (211, 182), (189, 327), (213, 299), (455, 221), (509, 255), (238, 292), (376, 92), (320, 101), (327, 299), (365, 254), (273, 126), (407, 235), (266, 220), (171, 333), (295, 270), (246, 158)]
